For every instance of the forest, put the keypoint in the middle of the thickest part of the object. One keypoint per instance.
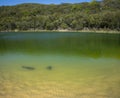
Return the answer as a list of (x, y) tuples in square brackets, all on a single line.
[(94, 15)]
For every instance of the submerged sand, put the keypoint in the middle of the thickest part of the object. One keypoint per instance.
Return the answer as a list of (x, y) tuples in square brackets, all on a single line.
[(70, 77)]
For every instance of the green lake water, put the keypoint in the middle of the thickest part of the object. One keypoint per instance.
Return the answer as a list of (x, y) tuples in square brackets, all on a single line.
[(59, 65)]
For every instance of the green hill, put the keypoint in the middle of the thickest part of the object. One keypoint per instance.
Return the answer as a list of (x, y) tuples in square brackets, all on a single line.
[(93, 15)]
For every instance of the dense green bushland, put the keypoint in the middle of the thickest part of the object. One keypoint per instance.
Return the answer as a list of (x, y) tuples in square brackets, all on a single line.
[(97, 15)]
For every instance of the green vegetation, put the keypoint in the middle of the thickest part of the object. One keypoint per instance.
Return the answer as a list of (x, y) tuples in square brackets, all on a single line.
[(95, 15)]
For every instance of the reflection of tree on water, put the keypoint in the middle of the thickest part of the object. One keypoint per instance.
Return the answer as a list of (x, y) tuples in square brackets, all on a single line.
[(86, 44)]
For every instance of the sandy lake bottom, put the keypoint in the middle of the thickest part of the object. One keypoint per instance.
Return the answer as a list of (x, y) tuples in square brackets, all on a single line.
[(67, 77)]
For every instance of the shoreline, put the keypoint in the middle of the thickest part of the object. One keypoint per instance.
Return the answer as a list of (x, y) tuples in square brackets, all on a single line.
[(79, 31)]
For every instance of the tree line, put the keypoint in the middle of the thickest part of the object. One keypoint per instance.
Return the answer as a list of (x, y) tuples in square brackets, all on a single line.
[(104, 14)]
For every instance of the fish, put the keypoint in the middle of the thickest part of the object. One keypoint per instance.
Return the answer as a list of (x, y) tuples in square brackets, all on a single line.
[(49, 67), (28, 67)]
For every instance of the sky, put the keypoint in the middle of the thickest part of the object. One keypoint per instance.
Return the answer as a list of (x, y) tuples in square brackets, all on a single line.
[(14, 2)]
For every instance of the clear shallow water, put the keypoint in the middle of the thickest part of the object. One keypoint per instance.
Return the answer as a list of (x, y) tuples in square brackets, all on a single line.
[(84, 65)]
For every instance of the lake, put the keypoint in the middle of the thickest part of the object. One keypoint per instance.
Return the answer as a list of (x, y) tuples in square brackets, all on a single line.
[(59, 65)]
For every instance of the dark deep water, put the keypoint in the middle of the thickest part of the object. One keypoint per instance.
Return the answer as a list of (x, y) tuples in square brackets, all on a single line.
[(59, 65)]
